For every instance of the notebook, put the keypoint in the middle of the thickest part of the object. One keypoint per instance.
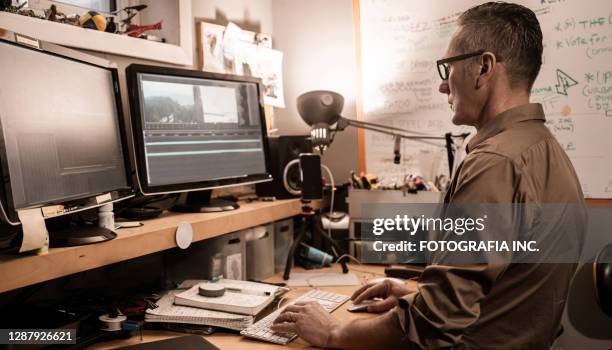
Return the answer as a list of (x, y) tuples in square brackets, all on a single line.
[(169, 313), (189, 342), (241, 297)]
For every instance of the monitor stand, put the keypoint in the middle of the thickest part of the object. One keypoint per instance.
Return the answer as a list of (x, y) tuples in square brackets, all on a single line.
[(74, 235), (200, 202)]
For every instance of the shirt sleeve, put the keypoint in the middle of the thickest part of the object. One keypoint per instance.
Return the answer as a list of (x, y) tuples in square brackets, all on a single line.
[(449, 296)]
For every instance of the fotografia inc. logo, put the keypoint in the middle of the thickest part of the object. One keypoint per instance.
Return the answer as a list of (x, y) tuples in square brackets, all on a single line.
[(412, 225)]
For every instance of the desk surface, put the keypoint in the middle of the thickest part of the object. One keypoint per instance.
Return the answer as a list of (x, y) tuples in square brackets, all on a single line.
[(156, 235), (226, 340)]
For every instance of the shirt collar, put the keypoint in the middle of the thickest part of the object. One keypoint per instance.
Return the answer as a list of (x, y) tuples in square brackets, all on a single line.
[(504, 120)]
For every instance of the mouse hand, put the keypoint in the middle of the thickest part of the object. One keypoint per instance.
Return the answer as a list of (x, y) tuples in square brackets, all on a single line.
[(388, 290)]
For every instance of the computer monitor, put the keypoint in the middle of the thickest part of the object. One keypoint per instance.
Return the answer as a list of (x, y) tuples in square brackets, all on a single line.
[(195, 131), (61, 137)]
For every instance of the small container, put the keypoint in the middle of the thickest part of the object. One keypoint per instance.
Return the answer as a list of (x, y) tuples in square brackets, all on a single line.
[(260, 252), (283, 238), (106, 217)]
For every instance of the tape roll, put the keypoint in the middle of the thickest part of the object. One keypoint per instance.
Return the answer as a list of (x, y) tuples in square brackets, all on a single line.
[(211, 290), (111, 324)]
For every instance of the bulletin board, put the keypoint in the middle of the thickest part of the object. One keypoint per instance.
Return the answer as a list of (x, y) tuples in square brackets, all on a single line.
[(235, 51), (399, 42)]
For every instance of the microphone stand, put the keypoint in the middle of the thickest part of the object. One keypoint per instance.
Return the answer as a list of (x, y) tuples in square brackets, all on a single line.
[(310, 223)]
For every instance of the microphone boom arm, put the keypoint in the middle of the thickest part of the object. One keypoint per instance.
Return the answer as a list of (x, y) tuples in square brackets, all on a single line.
[(342, 123)]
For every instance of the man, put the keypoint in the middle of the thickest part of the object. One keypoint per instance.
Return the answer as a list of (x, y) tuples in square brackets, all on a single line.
[(489, 68)]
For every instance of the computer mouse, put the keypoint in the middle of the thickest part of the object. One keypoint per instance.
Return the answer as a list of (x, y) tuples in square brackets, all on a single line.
[(363, 307)]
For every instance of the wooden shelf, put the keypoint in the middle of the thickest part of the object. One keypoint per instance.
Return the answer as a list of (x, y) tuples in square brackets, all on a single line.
[(77, 37), (156, 235)]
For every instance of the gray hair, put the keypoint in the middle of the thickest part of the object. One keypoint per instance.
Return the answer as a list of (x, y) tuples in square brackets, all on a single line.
[(511, 31)]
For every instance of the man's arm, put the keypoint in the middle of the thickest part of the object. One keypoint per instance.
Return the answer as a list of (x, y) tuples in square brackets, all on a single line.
[(319, 328), (382, 332)]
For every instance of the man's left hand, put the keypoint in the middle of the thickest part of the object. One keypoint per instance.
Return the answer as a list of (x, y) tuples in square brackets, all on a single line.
[(309, 321)]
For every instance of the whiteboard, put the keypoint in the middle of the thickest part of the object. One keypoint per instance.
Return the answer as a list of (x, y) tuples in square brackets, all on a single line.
[(401, 40)]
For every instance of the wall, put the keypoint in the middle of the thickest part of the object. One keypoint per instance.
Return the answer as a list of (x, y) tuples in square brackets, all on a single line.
[(317, 40)]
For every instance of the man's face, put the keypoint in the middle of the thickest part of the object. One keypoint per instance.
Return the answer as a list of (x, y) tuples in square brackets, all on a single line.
[(463, 97)]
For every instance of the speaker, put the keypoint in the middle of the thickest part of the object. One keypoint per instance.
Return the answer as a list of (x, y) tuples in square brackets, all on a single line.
[(284, 149)]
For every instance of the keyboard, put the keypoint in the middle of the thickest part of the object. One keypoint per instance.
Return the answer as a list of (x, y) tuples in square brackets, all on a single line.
[(261, 329)]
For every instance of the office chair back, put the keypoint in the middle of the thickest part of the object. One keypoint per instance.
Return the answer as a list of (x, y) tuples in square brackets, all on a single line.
[(602, 279)]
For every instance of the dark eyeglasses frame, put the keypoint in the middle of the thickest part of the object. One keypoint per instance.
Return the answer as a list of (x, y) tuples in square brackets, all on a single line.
[(444, 67)]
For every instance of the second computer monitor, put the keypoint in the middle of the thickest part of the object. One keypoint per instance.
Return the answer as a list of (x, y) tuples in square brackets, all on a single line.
[(195, 130)]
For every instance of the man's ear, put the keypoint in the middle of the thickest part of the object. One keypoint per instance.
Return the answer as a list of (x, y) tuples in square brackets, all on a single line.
[(487, 67)]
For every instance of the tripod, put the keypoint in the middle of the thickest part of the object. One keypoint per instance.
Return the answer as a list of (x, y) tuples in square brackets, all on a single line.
[(310, 222)]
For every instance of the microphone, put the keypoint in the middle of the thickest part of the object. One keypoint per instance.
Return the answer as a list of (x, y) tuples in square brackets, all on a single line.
[(320, 109), (320, 135), (397, 156)]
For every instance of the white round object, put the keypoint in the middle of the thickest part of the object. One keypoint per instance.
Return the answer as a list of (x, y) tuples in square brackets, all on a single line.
[(338, 222), (184, 235), (111, 324), (211, 290)]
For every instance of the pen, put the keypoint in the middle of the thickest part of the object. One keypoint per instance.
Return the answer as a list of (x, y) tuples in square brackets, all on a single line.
[(246, 291)]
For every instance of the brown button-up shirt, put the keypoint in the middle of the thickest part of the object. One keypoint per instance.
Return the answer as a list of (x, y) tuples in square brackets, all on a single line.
[(513, 159)]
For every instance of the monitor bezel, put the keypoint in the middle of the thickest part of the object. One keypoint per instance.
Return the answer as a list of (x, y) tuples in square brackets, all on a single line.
[(132, 72), (8, 212)]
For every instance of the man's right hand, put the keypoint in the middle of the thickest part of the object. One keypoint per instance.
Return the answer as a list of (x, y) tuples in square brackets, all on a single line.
[(389, 291)]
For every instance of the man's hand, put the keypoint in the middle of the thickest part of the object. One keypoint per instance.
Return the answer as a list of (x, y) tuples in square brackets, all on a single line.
[(388, 290), (309, 321)]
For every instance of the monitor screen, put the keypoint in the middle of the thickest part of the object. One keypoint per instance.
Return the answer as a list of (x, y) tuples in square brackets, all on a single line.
[(196, 130), (60, 134)]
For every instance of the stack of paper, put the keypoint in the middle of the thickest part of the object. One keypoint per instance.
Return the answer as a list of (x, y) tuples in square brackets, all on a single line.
[(168, 312)]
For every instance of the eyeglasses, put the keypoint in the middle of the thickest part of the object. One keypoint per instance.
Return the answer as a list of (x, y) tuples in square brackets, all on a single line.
[(444, 66)]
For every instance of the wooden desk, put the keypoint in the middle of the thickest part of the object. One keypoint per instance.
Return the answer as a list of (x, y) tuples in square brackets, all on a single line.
[(156, 235), (226, 340)]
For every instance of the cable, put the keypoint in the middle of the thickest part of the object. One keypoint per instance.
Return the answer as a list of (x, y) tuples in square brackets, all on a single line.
[(372, 273), (280, 302), (350, 257), (358, 262), (367, 272), (331, 205)]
